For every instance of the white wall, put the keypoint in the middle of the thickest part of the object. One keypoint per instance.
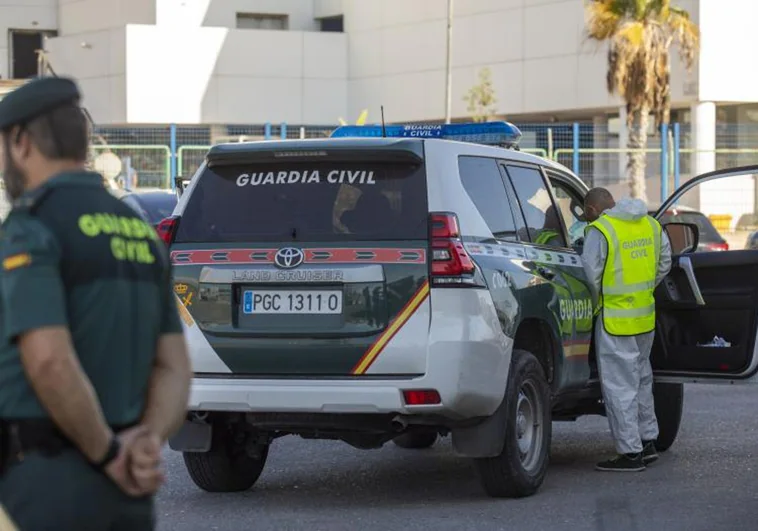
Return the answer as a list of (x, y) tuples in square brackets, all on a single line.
[(223, 13), (328, 8), (727, 55), (99, 68), (92, 49), (83, 16), (23, 14), (536, 50), (219, 75)]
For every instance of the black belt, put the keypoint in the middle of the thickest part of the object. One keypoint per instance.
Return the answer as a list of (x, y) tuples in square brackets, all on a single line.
[(21, 436)]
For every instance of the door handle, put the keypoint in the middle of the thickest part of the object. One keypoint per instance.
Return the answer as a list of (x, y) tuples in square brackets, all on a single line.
[(686, 264), (546, 273)]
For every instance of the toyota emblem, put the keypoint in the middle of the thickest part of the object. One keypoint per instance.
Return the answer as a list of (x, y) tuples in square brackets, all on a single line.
[(289, 257)]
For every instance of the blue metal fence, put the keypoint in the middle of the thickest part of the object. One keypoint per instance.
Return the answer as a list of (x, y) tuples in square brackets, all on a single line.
[(594, 152)]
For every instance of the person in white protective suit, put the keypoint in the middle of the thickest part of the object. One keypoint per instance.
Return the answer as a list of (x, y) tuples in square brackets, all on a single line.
[(625, 255)]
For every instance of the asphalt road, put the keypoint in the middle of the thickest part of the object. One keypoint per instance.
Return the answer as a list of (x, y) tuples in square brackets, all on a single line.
[(708, 481)]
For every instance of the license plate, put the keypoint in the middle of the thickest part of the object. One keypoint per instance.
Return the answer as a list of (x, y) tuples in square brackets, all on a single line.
[(291, 302)]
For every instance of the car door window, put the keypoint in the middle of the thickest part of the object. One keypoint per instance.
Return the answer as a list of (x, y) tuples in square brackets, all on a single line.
[(724, 210), (570, 207), (542, 217), (483, 183)]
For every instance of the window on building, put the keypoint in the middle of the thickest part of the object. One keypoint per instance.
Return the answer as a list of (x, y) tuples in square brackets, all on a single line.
[(333, 24), (262, 22), (24, 46), (483, 183)]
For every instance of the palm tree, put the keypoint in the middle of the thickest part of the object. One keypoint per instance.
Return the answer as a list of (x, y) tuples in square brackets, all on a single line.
[(640, 34)]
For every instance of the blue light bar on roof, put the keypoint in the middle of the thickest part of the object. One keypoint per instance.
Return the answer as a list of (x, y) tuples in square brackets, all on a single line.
[(491, 133)]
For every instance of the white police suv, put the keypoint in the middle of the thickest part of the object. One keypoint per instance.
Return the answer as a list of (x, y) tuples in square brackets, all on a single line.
[(406, 283)]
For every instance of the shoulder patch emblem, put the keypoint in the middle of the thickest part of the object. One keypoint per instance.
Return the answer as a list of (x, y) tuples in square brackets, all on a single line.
[(17, 260)]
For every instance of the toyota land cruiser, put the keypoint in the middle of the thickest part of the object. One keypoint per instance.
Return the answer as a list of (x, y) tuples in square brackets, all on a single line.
[(403, 283)]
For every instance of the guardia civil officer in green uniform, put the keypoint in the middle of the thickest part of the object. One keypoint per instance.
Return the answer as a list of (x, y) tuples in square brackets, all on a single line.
[(94, 373)]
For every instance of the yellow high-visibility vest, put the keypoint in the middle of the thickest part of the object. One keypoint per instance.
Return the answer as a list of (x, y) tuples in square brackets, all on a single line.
[(545, 236), (626, 296)]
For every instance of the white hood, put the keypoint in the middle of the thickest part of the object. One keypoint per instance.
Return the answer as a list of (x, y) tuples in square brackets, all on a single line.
[(628, 209)]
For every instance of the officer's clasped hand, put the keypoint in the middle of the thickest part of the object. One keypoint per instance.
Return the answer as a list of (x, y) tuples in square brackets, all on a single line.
[(146, 461), (137, 470)]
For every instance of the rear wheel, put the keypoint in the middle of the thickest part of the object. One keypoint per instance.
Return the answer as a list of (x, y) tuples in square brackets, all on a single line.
[(669, 401), (521, 466), (231, 465), (415, 441)]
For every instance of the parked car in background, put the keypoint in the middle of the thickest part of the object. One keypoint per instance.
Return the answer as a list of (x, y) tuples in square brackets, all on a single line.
[(752, 241), (710, 238), (153, 205)]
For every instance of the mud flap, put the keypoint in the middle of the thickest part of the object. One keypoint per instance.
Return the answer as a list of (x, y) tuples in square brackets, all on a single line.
[(485, 439), (192, 437)]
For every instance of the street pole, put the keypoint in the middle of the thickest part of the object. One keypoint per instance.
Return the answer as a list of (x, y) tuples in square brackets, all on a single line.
[(448, 64)]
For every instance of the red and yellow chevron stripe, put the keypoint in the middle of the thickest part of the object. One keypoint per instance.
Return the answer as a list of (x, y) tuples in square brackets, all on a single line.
[(367, 255), (402, 317)]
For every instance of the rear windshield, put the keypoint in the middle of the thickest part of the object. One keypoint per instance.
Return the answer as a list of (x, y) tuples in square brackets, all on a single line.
[(307, 201), (706, 229)]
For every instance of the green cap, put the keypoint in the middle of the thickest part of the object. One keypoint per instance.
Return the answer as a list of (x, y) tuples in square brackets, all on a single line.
[(35, 98)]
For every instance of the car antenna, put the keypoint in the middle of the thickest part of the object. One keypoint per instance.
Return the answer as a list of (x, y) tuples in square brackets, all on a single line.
[(384, 130)]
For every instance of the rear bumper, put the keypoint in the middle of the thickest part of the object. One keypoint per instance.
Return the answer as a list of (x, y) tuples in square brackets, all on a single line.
[(301, 396), (467, 362)]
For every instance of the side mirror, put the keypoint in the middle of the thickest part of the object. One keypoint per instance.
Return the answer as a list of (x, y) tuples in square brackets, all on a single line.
[(684, 237), (577, 209)]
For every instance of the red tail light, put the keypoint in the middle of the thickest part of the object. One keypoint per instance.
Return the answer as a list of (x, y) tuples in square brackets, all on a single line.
[(421, 397), (724, 246), (450, 261), (166, 229)]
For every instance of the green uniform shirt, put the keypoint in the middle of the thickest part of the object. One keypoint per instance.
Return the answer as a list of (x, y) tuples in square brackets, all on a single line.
[(73, 255)]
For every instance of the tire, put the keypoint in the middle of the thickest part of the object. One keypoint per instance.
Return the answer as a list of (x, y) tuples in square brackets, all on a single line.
[(516, 473), (669, 401), (226, 467), (416, 441)]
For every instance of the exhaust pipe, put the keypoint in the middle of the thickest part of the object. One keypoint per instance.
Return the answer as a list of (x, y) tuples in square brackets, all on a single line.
[(399, 424), (200, 416)]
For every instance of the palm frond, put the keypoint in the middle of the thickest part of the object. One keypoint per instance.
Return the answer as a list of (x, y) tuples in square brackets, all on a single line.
[(687, 35), (640, 34), (630, 34), (657, 9), (603, 19), (679, 11)]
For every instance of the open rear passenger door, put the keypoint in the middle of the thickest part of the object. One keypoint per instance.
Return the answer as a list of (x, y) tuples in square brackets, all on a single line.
[(709, 294)]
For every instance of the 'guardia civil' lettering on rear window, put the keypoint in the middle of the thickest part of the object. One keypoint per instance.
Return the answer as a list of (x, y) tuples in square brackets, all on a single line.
[(306, 177)]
